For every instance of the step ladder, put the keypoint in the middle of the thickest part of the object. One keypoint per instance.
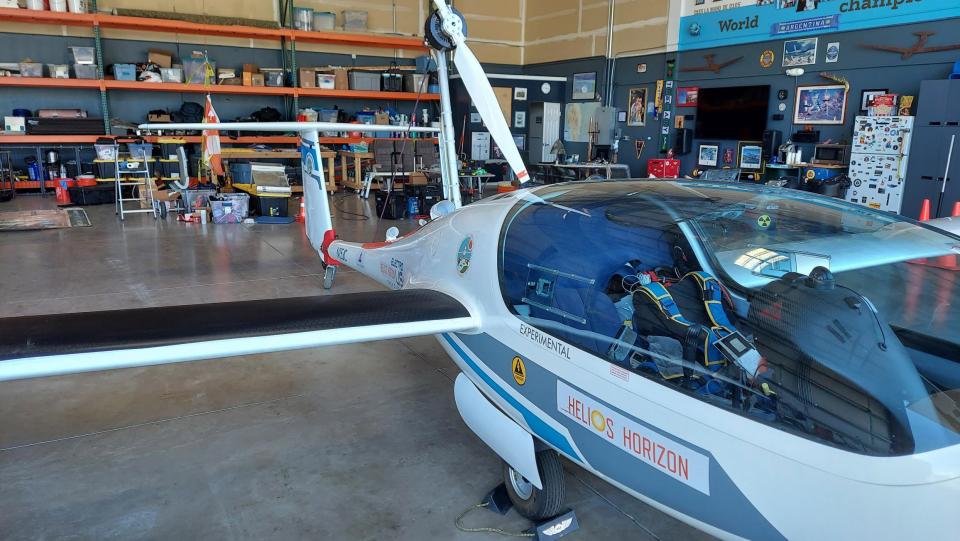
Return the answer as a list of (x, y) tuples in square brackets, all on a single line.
[(133, 172)]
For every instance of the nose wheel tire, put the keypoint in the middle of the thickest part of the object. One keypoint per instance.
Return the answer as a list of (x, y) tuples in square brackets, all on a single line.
[(534, 503), (329, 274)]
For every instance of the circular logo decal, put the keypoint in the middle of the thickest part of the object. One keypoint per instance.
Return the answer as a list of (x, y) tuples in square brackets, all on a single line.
[(811, 174), (464, 254), (764, 221), (833, 52), (767, 57), (598, 421), (519, 371), (694, 29)]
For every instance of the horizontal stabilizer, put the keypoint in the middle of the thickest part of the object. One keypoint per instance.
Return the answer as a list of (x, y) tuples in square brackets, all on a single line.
[(48, 345)]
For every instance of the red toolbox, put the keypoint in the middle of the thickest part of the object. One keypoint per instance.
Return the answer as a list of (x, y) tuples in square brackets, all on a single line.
[(663, 168)]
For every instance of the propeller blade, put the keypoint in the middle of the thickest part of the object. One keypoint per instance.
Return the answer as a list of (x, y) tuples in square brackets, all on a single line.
[(486, 103)]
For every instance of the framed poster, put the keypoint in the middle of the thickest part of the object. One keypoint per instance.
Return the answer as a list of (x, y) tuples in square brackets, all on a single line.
[(820, 104), (637, 107), (729, 156), (585, 86), (520, 119), (867, 96), (621, 116), (687, 96), (709, 155), (520, 141), (520, 93), (751, 155), (799, 52)]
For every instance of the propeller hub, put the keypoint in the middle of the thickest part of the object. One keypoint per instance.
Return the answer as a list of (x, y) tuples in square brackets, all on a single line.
[(444, 34)]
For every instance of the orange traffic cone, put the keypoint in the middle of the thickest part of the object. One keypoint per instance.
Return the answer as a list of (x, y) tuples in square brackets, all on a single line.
[(956, 210), (925, 210), (302, 217)]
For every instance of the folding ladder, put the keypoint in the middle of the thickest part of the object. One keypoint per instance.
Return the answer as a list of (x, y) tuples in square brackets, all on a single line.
[(135, 173)]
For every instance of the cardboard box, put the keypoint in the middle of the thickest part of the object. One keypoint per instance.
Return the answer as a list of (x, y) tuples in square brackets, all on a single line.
[(257, 79), (251, 68), (341, 79), (166, 195), (307, 77), (160, 58), (418, 179), (159, 117), (383, 118)]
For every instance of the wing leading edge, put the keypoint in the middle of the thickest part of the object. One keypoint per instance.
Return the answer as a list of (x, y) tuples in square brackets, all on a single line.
[(49, 345)]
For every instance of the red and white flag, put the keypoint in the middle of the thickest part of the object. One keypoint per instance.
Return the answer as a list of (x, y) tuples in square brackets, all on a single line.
[(211, 140)]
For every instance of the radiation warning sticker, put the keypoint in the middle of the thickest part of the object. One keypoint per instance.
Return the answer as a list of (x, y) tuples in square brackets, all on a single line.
[(519, 371), (764, 221)]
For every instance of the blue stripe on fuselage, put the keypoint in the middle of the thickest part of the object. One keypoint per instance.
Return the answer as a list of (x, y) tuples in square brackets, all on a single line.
[(540, 429)]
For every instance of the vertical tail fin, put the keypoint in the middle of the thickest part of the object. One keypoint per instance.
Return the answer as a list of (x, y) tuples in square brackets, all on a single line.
[(318, 223)]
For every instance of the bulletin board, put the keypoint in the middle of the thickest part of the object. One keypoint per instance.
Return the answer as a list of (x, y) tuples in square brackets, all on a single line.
[(505, 99)]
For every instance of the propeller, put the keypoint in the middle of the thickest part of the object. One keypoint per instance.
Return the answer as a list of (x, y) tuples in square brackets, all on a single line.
[(476, 82)]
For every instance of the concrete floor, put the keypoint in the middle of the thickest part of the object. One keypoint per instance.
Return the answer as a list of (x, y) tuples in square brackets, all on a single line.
[(352, 442)]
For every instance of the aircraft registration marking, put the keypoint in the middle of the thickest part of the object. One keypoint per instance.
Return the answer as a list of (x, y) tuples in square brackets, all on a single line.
[(662, 453)]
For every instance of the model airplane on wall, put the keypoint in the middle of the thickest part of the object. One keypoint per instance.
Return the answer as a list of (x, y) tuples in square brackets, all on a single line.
[(709, 348), (919, 47)]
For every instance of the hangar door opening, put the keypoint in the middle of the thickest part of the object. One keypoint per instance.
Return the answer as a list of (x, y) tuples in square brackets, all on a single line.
[(543, 131)]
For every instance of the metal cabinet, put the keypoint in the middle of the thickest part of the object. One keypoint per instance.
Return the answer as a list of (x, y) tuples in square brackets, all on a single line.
[(934, 172), (939, 103)]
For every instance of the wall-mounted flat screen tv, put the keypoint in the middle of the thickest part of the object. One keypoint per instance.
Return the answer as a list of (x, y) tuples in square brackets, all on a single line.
[(733, 112)]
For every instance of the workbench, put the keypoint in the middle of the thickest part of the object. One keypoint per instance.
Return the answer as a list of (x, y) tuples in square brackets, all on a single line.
[(357, 182), (327, 156)]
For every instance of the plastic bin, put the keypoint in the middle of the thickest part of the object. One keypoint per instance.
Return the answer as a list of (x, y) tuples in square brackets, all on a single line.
[(171, 75), (169, 169), (392, 82), (273, 206), (354, 20), (83, 55), (273, 77), (125, 72), (414, 82), (364, 80), (31, 69), (85, 71), (143, 151), (324, 20), (105, 169), (303, 19), (230, 208), (59, 71), (194, 71), (326, 81), (194, 199), (106, 152), (92, 195), (241, 173)]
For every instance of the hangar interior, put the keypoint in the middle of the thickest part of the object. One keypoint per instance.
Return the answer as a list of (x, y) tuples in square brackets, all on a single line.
[(850, 108)]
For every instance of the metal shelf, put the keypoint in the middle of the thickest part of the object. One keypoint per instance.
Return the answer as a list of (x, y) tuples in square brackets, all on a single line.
[(186, 88), (172, 26)]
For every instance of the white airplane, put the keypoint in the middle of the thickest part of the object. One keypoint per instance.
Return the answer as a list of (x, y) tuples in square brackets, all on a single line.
[(760, 363)]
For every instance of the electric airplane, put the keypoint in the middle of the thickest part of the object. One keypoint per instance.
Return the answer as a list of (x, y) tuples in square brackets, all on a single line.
[(760, 363)]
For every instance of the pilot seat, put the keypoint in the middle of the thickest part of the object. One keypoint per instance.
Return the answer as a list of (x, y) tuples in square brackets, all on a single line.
[(691, 311)]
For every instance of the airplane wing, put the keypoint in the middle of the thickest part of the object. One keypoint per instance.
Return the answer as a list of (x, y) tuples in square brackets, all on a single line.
[(729, 62), (940, 48), (49, 345), (888, 48)]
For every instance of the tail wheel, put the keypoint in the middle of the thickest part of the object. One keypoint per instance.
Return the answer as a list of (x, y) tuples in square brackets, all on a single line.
[(534, 503)]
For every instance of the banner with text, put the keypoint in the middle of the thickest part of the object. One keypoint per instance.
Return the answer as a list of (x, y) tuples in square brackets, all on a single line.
[(717, 23)]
